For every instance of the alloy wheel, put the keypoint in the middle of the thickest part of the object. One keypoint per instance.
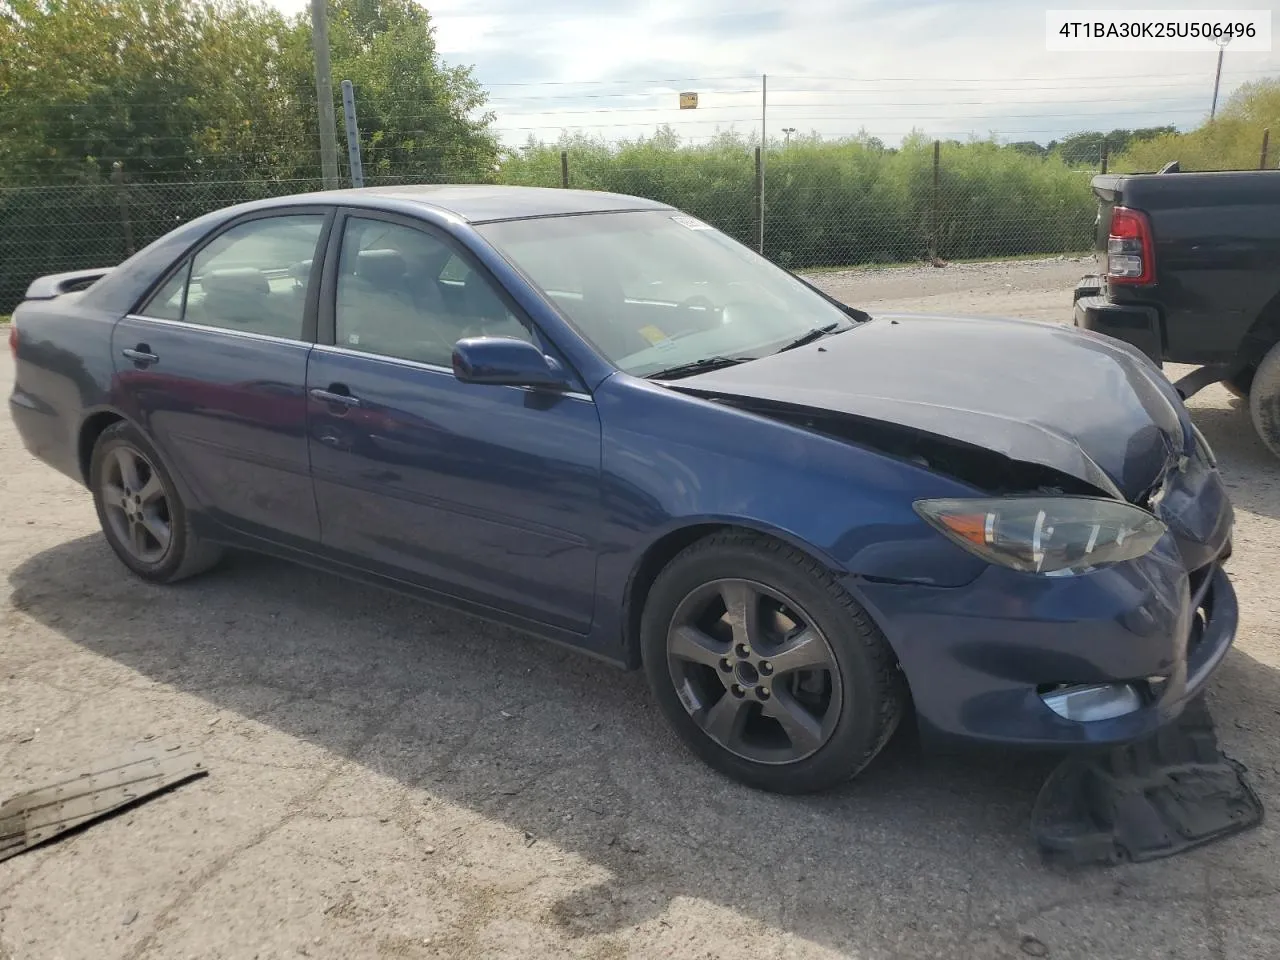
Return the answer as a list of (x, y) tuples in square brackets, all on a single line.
[(754, 671), (136, 505)]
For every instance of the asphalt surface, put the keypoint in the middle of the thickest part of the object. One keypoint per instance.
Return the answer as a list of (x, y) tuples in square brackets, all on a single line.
[(391, 780)]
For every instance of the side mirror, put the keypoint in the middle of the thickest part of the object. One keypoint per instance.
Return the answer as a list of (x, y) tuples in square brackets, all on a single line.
[(507, 361)]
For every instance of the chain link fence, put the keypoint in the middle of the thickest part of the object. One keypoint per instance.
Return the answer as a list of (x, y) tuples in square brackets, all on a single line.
[(820, 209)]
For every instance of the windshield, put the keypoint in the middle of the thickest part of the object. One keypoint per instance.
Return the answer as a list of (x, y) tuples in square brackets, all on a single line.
[(655, 290)]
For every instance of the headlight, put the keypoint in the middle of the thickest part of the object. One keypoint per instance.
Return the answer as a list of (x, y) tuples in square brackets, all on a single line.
[(1055, 536)]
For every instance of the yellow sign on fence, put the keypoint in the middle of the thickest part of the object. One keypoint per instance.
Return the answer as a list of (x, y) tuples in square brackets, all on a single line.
[(688, 101)]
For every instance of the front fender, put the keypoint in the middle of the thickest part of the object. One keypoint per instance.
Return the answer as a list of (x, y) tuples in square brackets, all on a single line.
[(673, 462)]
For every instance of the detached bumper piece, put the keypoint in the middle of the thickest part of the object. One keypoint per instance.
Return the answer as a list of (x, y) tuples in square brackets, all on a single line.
[(1147, 800), (46, 813)]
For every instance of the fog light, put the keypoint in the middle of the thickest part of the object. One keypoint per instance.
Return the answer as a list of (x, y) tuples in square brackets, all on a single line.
[(1093, 701)]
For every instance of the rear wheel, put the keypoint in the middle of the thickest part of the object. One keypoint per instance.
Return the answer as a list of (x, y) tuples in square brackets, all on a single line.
[(766, 667), (142, 516), (1264, 400)]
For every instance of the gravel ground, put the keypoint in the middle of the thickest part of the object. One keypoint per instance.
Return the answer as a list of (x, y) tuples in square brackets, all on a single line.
[(391, 780)]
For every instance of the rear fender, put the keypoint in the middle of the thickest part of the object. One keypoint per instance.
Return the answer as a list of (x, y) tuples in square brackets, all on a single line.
[(100, 418)]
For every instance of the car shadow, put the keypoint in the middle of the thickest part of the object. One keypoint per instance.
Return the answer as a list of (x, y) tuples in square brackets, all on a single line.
[(914, 854)]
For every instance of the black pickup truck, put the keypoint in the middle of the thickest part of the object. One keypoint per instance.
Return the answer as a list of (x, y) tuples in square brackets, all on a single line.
[(1191, 274)]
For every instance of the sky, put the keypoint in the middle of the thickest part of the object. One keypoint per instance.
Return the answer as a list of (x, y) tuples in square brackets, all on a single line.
[(951, 68)]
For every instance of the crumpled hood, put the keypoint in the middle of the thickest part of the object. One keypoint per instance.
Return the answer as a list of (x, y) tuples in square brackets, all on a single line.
[(1041, 393)]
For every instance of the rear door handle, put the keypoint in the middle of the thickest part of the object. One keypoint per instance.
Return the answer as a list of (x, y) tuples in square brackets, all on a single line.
[(141, 355), (334, 397)]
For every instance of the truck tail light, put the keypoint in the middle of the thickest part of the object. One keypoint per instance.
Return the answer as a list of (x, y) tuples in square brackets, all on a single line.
[(1131, 255)]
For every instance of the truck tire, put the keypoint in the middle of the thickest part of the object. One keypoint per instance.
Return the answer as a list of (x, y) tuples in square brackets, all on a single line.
[(1264, 400)]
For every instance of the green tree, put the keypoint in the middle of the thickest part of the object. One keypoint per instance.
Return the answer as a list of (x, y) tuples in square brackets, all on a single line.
[(223, 90), (419, 118), (1232, 141), (1084, 147), (166, 87)]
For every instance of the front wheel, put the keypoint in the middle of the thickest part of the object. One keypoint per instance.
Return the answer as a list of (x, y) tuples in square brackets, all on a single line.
[(1264, 400), (142, 516), (766, 667)]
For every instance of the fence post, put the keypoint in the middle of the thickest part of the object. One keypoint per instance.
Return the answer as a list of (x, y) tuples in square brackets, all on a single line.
[(759, 203), (353, 133), (564, 169), (1104, 156), (933, 201), (122, 200), (1266, 142)]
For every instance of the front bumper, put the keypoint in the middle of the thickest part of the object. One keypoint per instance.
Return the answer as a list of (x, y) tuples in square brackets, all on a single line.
[(978, 658)]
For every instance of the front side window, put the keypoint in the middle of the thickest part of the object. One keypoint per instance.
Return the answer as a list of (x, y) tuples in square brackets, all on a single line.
[(405, 293), (655, 290), (253, 277)]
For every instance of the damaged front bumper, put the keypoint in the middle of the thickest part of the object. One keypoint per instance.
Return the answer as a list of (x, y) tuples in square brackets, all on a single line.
[(981, 660)]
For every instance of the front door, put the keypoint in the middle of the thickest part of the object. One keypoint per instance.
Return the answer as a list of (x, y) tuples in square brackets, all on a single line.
[(487, 493), (213, 367)]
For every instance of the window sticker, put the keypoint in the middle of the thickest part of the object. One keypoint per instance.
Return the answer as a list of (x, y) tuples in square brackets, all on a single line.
[(652, 334)]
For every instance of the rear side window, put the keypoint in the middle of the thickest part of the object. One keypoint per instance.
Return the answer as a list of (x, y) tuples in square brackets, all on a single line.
[(253, 277)]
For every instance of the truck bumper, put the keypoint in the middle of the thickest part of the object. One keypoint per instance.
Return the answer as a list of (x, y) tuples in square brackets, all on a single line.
[(1135, 324)]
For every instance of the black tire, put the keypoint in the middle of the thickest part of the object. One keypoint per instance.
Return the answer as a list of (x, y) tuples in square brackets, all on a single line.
[(1264, 400), (874, 693), (183, 553), (1241, 383)]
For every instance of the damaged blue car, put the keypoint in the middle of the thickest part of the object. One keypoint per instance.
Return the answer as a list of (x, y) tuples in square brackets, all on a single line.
[(596, 419)]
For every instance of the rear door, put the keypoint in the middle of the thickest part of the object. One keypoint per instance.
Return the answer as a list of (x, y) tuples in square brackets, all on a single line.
[(486, 493), (214, 366)]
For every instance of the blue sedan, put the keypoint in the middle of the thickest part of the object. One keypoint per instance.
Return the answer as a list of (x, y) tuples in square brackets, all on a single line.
[(597, 419)]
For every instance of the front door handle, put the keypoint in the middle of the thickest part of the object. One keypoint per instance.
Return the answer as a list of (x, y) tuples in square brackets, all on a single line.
[(334, 397), (141, 355)]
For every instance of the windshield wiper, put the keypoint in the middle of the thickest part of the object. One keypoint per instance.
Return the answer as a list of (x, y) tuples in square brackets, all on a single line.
[(704, 365), (817, 333)]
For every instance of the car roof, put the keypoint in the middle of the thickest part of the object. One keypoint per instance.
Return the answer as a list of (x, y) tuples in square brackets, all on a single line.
[(481, 203)]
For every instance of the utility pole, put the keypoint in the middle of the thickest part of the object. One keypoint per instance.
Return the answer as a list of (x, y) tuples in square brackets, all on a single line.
[(1217, 77), (787, 132), (764, 147), (324, 94)]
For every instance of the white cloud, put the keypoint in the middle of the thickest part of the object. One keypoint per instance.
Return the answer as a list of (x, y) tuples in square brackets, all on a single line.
[(949, 67)]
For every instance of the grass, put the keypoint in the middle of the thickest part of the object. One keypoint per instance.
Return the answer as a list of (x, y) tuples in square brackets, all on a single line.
[(4, 318)]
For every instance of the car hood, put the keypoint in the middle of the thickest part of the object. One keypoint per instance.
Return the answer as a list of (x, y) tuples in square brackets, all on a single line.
[(1073, 401)]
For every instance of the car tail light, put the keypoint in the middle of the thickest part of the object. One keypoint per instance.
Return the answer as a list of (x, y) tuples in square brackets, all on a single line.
[(1131, 256), (13, 338)]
